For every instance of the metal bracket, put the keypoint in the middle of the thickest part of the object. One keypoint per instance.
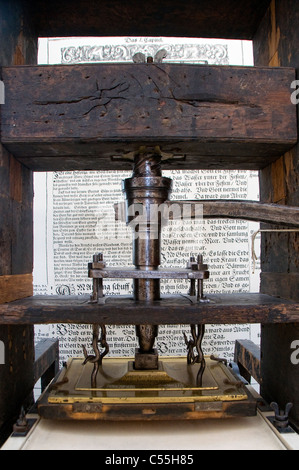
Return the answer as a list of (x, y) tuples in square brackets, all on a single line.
[(281, 418), (140, 58), (165, 156), (23, 425)]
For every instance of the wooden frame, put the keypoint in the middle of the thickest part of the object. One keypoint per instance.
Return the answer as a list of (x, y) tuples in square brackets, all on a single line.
[(273, 26)]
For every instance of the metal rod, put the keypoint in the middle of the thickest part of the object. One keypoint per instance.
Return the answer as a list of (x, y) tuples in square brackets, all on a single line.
[(146, 188)]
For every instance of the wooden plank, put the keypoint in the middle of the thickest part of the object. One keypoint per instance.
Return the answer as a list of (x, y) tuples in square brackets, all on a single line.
[(250, 210), (231, 209), (15, 287), (101, 157), (276, 43), (17, 46), (90, 115), (46, 364), (207, 18), (222, 309), (248, 357)]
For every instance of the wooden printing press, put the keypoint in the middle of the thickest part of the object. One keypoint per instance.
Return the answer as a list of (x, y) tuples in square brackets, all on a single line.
[(123, 388), (148, 117)]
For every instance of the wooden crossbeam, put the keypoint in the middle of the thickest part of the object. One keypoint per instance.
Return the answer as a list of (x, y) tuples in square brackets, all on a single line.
[(91, 116), (222, 309), (230, 209), (207, 18)]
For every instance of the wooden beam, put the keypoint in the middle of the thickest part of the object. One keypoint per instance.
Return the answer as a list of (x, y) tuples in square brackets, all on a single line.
[(91, 116), (222, 309), (18, 46), (276, 43), (248, 357), (204, 18), (230, 209), (250, 210), (15, 287), (46, 364)]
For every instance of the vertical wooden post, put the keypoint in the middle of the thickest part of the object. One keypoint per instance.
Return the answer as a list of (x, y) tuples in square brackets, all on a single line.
[(17, 47), (276, 44)]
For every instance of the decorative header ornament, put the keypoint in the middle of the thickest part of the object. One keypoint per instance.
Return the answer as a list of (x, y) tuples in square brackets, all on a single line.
[(216, 54)]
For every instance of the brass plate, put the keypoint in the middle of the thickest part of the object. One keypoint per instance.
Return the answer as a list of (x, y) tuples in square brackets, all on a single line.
[(119, 383)]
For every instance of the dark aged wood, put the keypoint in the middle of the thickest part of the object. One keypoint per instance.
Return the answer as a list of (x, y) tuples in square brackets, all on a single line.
[(18, 41), (247, 210), (262, 155), (222, 308), (231, 209), (281, 284), (46, 364), (248, 357), (18, 46), (280, 376), (204, 18), (88, 116), (15, 287), (276, 44)]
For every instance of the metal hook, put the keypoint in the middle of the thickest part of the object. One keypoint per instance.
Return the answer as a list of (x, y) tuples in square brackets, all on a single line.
[(196, 343), (97, 358)]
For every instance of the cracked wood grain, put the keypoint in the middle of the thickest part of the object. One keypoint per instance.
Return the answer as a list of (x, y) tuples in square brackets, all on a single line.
[(207, 114)]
